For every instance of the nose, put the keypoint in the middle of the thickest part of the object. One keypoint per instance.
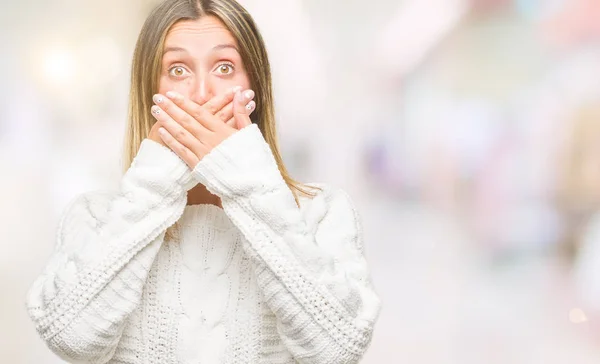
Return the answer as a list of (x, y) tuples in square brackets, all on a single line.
[(202, 91)]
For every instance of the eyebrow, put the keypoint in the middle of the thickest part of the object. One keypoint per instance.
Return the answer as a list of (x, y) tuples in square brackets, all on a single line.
[(174, 49), (214, 49), (225, 46)]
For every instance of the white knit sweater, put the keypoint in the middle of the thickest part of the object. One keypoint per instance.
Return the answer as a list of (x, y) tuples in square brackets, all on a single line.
[(259, 281)]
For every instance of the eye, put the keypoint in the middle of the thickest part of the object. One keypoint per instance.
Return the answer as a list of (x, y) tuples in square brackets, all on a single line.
[(177, 71), (225, 69)]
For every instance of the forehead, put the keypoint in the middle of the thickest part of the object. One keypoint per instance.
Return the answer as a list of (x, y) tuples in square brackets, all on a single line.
[(201, 33)]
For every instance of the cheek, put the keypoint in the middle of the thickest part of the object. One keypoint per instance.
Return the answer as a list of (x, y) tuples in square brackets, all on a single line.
[(182, 87), (217, 86), (243, 80), (221, 85)]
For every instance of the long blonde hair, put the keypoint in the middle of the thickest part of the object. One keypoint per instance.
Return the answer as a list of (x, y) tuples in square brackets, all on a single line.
[(146, 66)]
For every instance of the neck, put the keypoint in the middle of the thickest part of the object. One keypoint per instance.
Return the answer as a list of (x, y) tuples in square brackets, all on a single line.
[(199, 195)]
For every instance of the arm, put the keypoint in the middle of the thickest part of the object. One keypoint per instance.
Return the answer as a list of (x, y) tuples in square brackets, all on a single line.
[(105, 246), (310, 263)]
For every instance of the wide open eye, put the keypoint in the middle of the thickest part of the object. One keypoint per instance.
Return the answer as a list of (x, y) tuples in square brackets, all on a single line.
[(224, 69), (178, 72)]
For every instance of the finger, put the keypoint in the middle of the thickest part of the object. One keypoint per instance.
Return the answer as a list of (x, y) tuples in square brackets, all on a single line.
[(198, 113), (179, 115), (183, 152), (251, 107), (242, 107), (231, 122), (220, 105), (226, 113), (220, 101), (177, 131)]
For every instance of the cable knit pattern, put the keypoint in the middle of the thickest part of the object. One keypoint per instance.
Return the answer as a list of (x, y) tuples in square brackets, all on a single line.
[(314, 277), (259, 281)]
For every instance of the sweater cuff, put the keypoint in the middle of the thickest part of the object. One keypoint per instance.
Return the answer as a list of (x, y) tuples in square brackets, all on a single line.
[(152, 155), (241, 165)]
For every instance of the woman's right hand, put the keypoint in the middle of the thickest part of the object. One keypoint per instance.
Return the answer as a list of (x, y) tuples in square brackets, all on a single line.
[(220, 105)]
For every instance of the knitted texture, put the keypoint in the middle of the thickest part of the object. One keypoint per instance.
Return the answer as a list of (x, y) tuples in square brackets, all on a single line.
[(259, 281)]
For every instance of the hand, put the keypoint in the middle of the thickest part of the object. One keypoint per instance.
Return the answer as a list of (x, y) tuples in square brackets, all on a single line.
[(192, 130), (220, 106)]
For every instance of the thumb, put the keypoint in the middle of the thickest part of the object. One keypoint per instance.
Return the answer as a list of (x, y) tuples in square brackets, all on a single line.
[(242, 108)]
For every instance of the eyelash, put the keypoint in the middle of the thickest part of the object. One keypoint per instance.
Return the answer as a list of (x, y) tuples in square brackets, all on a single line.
[(170, 70), (226, 64), (174, 67)]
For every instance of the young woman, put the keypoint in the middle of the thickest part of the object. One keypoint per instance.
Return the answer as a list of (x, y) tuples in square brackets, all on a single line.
[(209, 252)]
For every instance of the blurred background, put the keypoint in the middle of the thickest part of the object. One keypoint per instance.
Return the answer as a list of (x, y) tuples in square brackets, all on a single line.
[(466, 131)]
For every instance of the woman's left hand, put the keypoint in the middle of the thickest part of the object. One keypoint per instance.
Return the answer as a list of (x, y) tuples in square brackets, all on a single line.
[(191, 130)]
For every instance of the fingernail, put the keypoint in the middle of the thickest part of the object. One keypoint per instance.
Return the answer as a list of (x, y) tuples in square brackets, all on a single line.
[(174, 95), (249, 94), (251, 105), (157, 99), (155, 110)]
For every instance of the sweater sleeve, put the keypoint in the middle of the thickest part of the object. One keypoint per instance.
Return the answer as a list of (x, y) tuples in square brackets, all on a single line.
[(310, 263), (105, 245)]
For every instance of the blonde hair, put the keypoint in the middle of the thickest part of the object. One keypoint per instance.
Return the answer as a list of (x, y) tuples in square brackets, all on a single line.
[(578, 196), (147, 63)]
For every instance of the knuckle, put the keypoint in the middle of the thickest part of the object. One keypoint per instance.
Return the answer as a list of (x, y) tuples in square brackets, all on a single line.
[(199, 113), (221, 115), (190, 108), (211, 108), (179, 135), (190, 120), (181, 150)]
